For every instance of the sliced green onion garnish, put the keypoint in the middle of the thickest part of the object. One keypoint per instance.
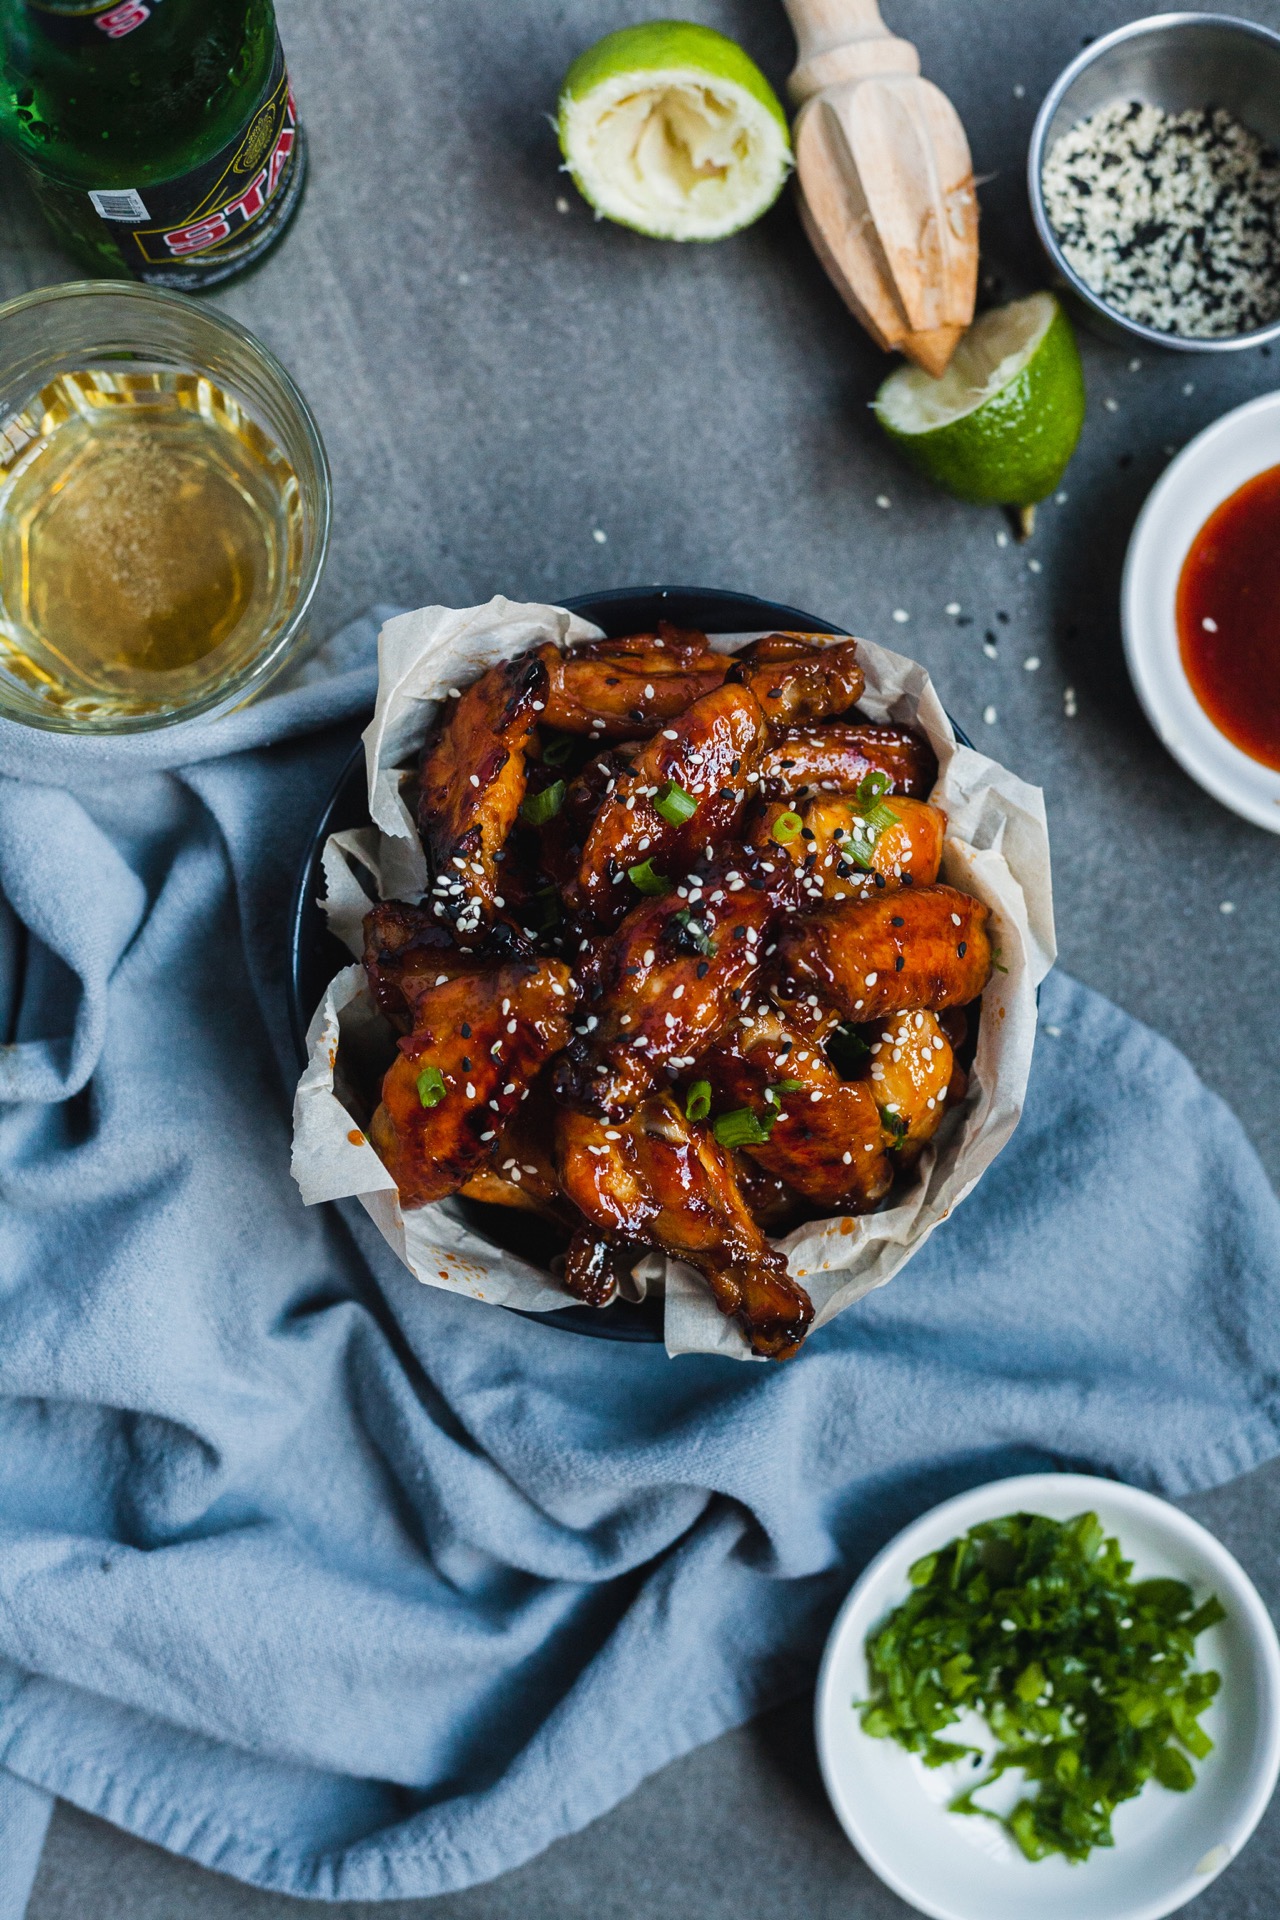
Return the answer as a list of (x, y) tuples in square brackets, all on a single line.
[(643, 877), (557, 751), (1084, 1676), (781, 1086), (872, 787), (675, 805), (544, 806), (742, 1128), (786, 827), (893, 1123), (546, 909), (698, 1104), (431, 1086), (693, 934)]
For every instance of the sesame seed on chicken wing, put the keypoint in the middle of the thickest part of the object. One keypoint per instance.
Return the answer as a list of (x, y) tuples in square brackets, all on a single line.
[(657, 1179), (835, 862), (911, 1071), (623, 689), (707, 753), (826, 1140), (671, 979), (478, 1042), (911, 947), (472, 782), (836, 757), (407, 950)]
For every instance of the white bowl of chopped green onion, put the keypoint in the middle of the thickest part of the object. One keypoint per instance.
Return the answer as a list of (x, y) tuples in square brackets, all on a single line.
[(1154, 177), (1054, 1695)]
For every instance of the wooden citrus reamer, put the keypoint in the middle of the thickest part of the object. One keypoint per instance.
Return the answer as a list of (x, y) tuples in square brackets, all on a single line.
[(886, 181)]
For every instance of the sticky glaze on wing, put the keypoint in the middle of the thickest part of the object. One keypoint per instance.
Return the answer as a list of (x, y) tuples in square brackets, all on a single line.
[(914, 947), (797, 680), (709, 752), (623, 689), (833, 863), (836, 757), (673, 976), (656, 1178), (473, 780), (828, 1141), (487, 1035)]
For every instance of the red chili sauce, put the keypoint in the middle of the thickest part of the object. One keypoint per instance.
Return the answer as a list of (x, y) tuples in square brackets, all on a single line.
[(1229, 617)]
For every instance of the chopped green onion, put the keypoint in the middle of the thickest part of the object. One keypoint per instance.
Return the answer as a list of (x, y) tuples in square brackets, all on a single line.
[(742, 1128), (872, 787), (557, 751), (786, 827), (675, 805), (893, 1123), (693, 935), (1083, 1674), (643, 877), (781, 1086), (431, 1086), (544, 806), (698, 1104), (846, 1050)]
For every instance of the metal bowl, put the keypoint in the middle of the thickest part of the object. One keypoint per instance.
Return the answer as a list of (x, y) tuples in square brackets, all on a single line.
[(1176, 61)]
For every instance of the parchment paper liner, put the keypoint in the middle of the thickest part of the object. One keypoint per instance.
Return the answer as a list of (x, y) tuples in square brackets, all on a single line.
[(997, 848)]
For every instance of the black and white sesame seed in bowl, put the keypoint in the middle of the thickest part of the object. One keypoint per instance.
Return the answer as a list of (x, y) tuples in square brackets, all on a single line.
[(1154, 176)]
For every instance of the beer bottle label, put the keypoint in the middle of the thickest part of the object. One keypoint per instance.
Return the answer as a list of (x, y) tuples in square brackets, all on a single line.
[(209, 223)]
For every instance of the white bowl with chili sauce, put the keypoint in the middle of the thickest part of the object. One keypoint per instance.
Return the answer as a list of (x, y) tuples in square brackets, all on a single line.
[(1200, 609)]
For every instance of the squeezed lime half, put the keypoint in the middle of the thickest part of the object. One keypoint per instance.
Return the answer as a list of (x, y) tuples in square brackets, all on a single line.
[(671, 129), (1002, 422)]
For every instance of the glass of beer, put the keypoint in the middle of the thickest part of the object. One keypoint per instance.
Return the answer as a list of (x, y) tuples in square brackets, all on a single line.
[(164, 510)]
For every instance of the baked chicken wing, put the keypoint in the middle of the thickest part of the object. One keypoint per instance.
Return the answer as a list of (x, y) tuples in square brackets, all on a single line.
[(826, 1138), (659, 1180), (837, 859), (795, 680), (675, 974), (408, 949), (910, 947), (623, 689), (472, 782), (683, 792), (836, 758), (478, 1042)]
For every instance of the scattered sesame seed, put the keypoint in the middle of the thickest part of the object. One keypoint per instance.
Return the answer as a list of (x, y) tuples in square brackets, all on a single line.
[(1112, 406), (1069, 707), (1210, 626), (1019, 92), (883, 500), (952, 607), (1060, 499), (1033, 566), (599, 536), (1002, 538), (901, 615), (1032, 663), (1189, 387), (990, 715), (1227, 906)]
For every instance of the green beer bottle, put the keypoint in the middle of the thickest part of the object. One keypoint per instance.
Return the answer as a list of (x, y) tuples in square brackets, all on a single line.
[(159, 135)]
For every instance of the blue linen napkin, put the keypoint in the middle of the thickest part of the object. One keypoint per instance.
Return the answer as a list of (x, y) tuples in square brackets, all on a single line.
[(358, 1590)]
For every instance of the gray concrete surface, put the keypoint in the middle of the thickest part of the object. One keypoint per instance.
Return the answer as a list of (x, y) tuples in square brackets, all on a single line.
[(500, 383)]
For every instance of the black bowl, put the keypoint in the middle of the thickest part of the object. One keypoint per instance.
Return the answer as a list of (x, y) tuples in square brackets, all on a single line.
[(315, 956)]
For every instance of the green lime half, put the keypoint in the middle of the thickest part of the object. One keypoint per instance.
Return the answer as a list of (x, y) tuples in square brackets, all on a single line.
[(1003, 421), (671, 129)]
